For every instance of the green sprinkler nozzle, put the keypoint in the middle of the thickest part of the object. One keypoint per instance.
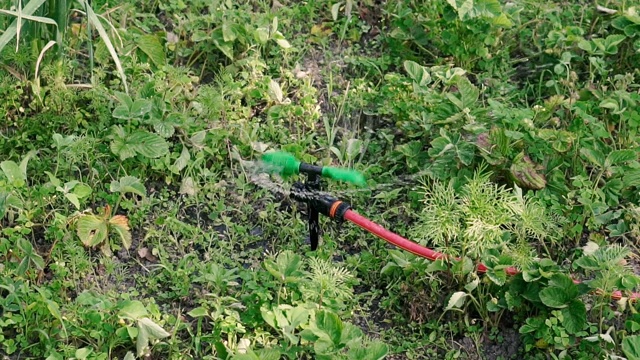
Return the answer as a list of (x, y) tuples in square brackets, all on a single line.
[(286, 165)]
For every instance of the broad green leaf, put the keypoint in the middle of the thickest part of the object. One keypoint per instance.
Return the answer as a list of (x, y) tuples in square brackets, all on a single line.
[(594, 156), (610, 104), (129, 356), (154, 330), (330, 324), (351, 334), (120, 145), (140, 107), (374, 351), (554, 297), (574, 317), (120, 224), (225, 46), (73, 198), (469, 93), (281, 41), (417, 73), (151, 45), (164, 129), (3, 204), (269, 317), (148, 330), (565, 283), (298, 316), (631, 347), (228, 34), (133, 310), (92, 230), (335, 10), (262, 35), (128, 184), (13, 173), (618, 157), (275, 90), (83, 353), (198, 312), (456, 300), (61, 142), (82, 190), (183, 160), (148, 144), (611, 43)]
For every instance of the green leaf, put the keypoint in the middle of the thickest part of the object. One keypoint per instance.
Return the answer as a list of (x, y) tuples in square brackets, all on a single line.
[(618, 157), (554, 297), (351, 334), (73, 198), (594, 156), (275, 91), (154, 330), (417, 73), (335, 10), (133, 310), (228, 34), (164, 129), (13, 173), (121, 112), (140, 107), (120, 224), (92, 230), (469, 9), (611, 43), (82, 191), (330, 324), (151, 45), (281, 41), (374, 351), (198, 312), (120, 145), (183, 160), (574, 317), (128, 184), (262, 35), (456, 300), (225, 46), (631, 347), (148, 144), (469, 93)]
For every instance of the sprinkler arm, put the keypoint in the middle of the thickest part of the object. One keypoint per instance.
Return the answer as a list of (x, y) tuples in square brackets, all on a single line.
[(285, 164)]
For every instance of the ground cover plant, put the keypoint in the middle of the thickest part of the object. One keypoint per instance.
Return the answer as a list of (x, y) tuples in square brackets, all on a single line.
[(503, 133)]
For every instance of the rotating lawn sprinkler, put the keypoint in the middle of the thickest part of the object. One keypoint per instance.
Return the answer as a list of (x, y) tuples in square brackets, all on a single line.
[(286, 165)]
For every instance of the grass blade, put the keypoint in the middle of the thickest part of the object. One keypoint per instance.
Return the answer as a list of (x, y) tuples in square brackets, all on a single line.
[(93, 19), (40, 19), (44, 50), (12, 30)]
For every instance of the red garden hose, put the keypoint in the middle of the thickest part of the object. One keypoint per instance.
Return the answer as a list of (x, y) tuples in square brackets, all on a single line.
[(422, 251)]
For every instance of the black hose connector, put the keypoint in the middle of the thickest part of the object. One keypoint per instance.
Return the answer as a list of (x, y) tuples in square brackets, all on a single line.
[(310, 169), (325, 204)]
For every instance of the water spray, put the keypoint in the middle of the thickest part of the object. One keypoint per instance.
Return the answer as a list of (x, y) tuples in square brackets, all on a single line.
[(309, 192)]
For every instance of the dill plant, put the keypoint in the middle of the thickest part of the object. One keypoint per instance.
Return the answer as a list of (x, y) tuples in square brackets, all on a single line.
[(479, 216)]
